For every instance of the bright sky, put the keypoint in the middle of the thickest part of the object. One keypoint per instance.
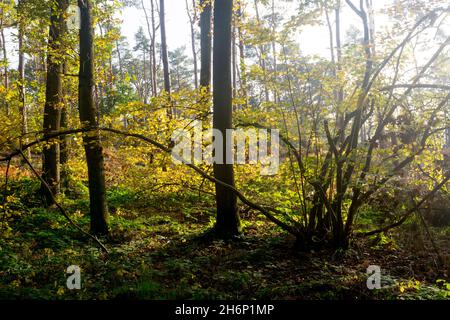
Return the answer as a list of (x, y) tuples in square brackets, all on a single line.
[(313, 40)]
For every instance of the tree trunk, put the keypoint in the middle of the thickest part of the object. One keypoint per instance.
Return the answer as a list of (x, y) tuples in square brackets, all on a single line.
[(233, 61), (21, 83), (165, 58), (144, 66), (153, 49), (205, 43), (192, 19), (262, 60), (92, 146), (243, 72), (5, 68), (64, 140), (340, 91), (371, 17), (53, 100), (64, 148), (5, 57), (5, 61), (149, 30), (227, 224), (274, 54)]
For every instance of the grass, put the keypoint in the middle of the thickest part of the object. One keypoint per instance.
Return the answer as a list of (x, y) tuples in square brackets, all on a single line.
[(158, 254)]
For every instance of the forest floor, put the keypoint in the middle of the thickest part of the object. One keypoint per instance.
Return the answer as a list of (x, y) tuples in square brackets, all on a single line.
[(155, 252)]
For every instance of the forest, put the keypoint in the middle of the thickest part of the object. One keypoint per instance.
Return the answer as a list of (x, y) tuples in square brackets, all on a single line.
[(224, 150)]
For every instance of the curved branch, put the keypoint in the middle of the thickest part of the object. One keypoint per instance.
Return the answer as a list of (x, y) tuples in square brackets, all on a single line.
[(267, 212), (63, 212)]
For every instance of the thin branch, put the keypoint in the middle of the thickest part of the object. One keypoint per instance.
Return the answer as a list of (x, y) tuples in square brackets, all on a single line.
[(409, 212), (61, 209), (267, 212)]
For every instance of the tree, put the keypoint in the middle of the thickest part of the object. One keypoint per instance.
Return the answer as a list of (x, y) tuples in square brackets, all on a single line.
[(143, 45), (4, 51), (261, 52), (87, 112), (205, 43), (52, 109), (165, 58), (181, 75), (151, 32), (228, 223), (21, 79), (192, 21)]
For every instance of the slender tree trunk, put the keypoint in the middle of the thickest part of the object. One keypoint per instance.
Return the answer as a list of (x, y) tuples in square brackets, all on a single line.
[(371, 17), (205, 43), (64, 148), (21, 81), (145, 93), (5, 63), (165, 58), (233, 61), (227, 224), (262, 60), (243, 72), (22, 99), (153, 49), (149, 30), (340, 91), (5, 56), (192, 20), (53, 100), (92, 145), (64, 144), (274, 54)]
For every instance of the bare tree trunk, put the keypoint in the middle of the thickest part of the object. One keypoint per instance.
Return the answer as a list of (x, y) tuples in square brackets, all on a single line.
[(5, 57), (205, 39), (262, 60), (243, 72), (5, 67), (233, 61), (64, 145), (192, 20), (5, 61), (145, 91), (340, 93), (228, 223), (92, 145), (53, 101), (274, 54), (153, 49), (165, 58), (371, 16), (21, 85), (149, 29)]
